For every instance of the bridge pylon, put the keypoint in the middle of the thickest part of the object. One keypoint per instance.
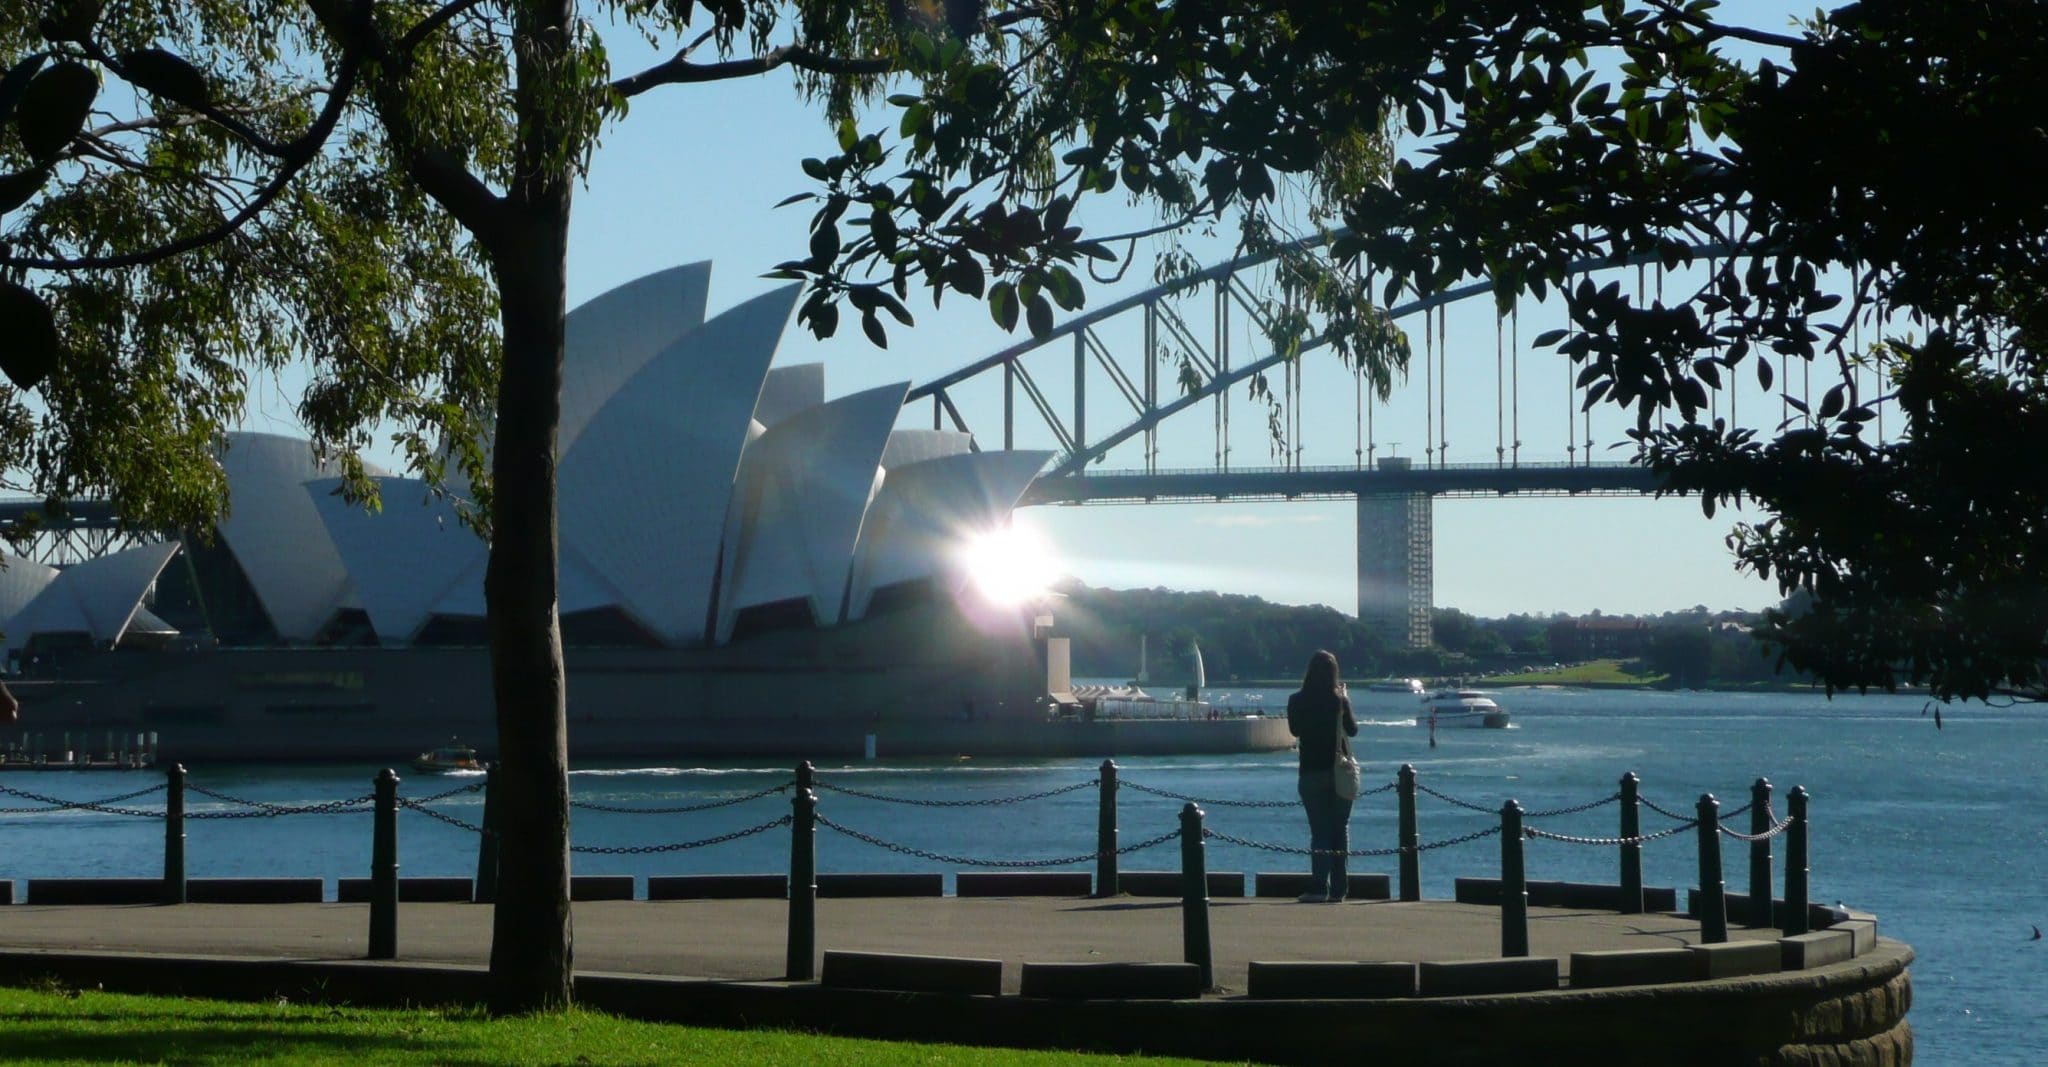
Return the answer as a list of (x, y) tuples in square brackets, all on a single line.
[(1396, 563)]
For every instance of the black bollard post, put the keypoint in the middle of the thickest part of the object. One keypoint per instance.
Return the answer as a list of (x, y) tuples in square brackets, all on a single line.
[(487, 842), (1411, 854), (174, 835), (1106, 880), (1760, 856), (384, 869), (1712, 900), (1631, 847), (1795, 863), (1514, 884), (801, 963), (1194, 895), (806, 776)]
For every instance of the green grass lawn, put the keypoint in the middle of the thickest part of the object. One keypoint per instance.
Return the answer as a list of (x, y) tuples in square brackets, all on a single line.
[(1596, 672), (56, 1025)]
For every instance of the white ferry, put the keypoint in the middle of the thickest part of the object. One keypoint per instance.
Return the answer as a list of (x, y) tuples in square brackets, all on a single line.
[(1461, 707)]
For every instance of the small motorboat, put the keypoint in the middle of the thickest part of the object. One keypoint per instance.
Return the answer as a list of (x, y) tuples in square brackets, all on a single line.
[(1461, 707), (1410, 686), (449, 757)]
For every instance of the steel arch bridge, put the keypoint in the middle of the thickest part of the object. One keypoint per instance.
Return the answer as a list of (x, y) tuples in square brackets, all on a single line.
[(1394, 495)]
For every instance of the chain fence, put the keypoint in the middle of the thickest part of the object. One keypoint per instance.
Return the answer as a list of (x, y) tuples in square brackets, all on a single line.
[(676, 846), (968, 861), (1356, 853), (54, 804), (262, 809), (685, 809)]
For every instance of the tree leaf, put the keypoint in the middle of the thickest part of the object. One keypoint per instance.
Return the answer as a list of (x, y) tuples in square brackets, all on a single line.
[(17, 189), (31, 331), (14, 82), (166, 74), (70, 20), (872, 326), (53, 108), (1039, 315)]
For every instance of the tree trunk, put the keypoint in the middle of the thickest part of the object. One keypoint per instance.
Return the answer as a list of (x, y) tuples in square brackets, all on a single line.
[(531, 956)]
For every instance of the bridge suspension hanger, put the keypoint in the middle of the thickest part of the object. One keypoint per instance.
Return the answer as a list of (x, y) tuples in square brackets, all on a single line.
[(1515, 366), (1500, 451), (1443, 385), (1428, 387)]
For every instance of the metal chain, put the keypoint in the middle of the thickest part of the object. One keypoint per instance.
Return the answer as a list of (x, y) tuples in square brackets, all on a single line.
[(101, 806), (1212, 803), (1454, 801), (685, 809), (1267, 846), (430, 813), (262, 810), (966, 861), (977, 803), (1293, 850), (641, 850), (1639, 839), (1574, 810), (1669, 814), (1776, 829), (62, 805)]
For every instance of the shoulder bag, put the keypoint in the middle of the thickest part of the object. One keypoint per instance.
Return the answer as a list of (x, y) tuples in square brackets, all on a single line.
[(1345, 772)]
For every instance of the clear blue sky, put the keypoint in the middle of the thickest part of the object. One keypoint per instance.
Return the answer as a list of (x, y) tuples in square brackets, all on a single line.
[(693, 174)]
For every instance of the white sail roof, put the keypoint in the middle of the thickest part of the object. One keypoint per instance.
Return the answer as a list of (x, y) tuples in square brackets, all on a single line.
[(276, 534), (20, 581), (611, 336), (796, 514), (98, 597), (916, 446), (926, 510), (644, 489), (789, 390), (401, 560)]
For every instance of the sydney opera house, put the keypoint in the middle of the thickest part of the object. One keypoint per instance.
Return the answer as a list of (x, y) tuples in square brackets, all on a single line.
[(748, 567)]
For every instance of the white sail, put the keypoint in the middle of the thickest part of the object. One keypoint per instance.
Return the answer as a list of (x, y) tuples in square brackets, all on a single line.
[(1201, 677), (1143, 677)]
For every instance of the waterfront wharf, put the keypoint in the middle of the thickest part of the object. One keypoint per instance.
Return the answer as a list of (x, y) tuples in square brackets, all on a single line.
[(1186, 960)]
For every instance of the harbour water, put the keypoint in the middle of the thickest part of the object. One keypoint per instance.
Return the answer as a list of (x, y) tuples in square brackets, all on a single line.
[(1937, 831)]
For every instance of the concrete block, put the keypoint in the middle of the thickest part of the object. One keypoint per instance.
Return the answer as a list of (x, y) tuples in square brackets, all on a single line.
[(1863, 933), (1451, 978), (1580, 896), (1078, 981), (6, 890), (1733, 959), (410, 890), (1313, 979), (95, 890), (1476, 891), (1023, 883), (1817, 949), (1649, 966), (912, 974), (1660, 898), (881, 885), (1295, 883), (255, 890), (717, 887), (601, 887), (1167, 883)]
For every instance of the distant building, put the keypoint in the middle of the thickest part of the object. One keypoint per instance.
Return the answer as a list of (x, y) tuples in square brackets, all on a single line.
[(1395, 575), (1598, 637)]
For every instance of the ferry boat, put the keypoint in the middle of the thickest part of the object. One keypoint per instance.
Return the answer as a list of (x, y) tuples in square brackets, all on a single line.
[(449, 757), (1461, 707), (1411, 686)]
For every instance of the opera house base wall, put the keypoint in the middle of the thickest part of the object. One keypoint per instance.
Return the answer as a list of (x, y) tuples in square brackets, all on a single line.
[(921, 679)]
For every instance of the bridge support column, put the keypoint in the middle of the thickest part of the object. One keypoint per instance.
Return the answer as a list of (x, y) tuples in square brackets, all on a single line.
[(1396, 568)]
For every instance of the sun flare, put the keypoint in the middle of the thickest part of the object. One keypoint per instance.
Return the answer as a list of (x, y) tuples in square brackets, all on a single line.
[(1010, 565)]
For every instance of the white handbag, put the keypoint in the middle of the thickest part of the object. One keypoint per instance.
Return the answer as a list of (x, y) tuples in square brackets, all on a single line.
[(1345, 772)]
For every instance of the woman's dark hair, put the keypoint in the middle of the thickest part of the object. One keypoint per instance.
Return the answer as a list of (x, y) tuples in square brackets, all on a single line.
[(1322, 674)]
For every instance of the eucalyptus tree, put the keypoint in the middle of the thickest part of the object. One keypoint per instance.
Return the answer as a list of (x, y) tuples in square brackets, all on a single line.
[(198, 194), (1874, 168)]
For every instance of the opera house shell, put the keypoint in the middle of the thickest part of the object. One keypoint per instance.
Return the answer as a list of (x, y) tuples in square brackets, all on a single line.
[(748, 567)]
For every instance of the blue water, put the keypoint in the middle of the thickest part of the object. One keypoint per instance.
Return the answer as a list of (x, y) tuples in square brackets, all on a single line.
[(1937, 831)]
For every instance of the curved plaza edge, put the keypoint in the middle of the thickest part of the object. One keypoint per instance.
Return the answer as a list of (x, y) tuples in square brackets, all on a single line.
[(720, 963)]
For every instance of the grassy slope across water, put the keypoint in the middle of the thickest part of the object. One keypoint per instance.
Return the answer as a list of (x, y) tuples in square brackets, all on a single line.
[(62, 1026)]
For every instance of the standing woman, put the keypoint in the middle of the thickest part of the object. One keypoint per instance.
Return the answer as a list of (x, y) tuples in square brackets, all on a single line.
[(1314, 715)]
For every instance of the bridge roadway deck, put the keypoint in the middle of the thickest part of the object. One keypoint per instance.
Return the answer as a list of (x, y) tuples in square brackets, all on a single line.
[(745, 939)]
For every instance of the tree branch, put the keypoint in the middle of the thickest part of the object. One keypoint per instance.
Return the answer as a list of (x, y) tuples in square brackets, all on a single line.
[(679, 70), (427, 26), (1710, 29)]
